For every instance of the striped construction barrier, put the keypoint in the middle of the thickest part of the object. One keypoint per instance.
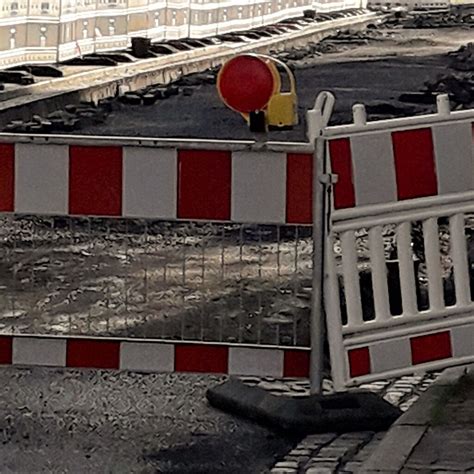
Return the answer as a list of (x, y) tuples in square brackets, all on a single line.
[(410, 162), (154, 356), (384, 166), (394, 173), (159, 183), (415, 352)]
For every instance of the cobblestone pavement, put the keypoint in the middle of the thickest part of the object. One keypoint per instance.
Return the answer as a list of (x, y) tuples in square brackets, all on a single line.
[(332, 453), (92, 421)]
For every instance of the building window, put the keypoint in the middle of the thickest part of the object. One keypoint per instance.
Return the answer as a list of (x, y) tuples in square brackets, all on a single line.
[(14, 8), (43, 30), (84, 30), (157, 19), (111, 27), (45, 7), (112, 3), (12, 38)]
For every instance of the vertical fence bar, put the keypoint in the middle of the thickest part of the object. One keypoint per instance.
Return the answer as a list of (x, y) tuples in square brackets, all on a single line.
[(333, 316), (406, 269), (433, 263), (460, 260), (317, 313), (379, 274), (351, 279)]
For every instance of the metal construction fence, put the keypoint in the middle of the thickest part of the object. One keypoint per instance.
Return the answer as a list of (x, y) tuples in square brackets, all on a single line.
[(216, 256), (221, 282)]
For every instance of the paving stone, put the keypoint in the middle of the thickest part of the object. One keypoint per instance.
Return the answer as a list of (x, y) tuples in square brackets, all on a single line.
[(299, 388), (273, 386), (323, 438), (351, 468), (283, 470), (287, 465), (251, 380), (300, 452), (359, 435), (321, 468), (330, 452)]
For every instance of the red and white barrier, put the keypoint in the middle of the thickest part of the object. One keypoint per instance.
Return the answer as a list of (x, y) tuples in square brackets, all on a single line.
[(157, 182), (395, 164), (391, 174), (417, 351), (153, 356)]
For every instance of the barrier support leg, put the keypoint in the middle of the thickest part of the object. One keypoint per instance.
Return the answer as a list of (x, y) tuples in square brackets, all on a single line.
[(319, 232)]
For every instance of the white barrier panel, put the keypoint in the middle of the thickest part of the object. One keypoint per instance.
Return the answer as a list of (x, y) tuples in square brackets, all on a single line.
[(397, 160), (153, 355), (214, 181)]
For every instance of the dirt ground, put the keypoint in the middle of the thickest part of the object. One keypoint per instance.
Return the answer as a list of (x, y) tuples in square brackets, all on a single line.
[(394, 62)]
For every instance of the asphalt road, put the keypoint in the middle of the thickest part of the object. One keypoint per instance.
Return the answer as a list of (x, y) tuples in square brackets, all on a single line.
[(58, 420)]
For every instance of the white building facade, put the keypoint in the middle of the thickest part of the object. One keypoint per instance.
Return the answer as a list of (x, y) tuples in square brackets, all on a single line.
[(39, 31)]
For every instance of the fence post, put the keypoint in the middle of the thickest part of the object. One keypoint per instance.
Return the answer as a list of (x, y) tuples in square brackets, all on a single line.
[(317, 119)]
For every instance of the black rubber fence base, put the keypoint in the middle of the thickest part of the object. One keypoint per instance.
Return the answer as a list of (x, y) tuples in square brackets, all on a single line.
[(341, 413)]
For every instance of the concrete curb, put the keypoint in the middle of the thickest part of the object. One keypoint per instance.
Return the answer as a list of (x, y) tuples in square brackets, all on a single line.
[(405, 434), (347, 412)]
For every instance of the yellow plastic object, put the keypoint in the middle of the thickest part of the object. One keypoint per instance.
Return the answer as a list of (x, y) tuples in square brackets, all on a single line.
[(282, 109)]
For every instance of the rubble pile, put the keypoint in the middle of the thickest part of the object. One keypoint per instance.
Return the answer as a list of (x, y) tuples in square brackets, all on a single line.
[(454, 18), (342, 41), (86, 114), (73, 117), (463, 58)]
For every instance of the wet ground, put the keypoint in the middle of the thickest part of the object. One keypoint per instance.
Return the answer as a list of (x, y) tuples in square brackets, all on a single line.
[(394, 62), (75, 421)]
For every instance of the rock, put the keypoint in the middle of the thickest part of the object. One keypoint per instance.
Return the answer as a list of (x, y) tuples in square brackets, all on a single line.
[(130, 98), (149, 99), (141, 47), (70, 108), (386, 108), (418, 97), (187, 91), (60, 115), (173, 90)]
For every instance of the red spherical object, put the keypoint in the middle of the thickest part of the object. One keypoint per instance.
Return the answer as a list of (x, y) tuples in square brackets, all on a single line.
[(246, 83)]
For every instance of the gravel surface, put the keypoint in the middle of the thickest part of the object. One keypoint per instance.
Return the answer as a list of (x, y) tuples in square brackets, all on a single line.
[(109, 422), (378, 70)]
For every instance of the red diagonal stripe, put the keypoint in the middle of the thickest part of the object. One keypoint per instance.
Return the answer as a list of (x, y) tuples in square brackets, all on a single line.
[(414, 163), (201, 358), (89, 353), (341, 164), (299, 188), (7, 177), (431, 347)]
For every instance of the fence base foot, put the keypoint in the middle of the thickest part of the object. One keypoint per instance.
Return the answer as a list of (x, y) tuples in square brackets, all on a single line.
[(344, 412)]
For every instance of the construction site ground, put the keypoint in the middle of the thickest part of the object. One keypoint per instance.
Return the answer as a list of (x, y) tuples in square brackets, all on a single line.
[(376, 71)]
